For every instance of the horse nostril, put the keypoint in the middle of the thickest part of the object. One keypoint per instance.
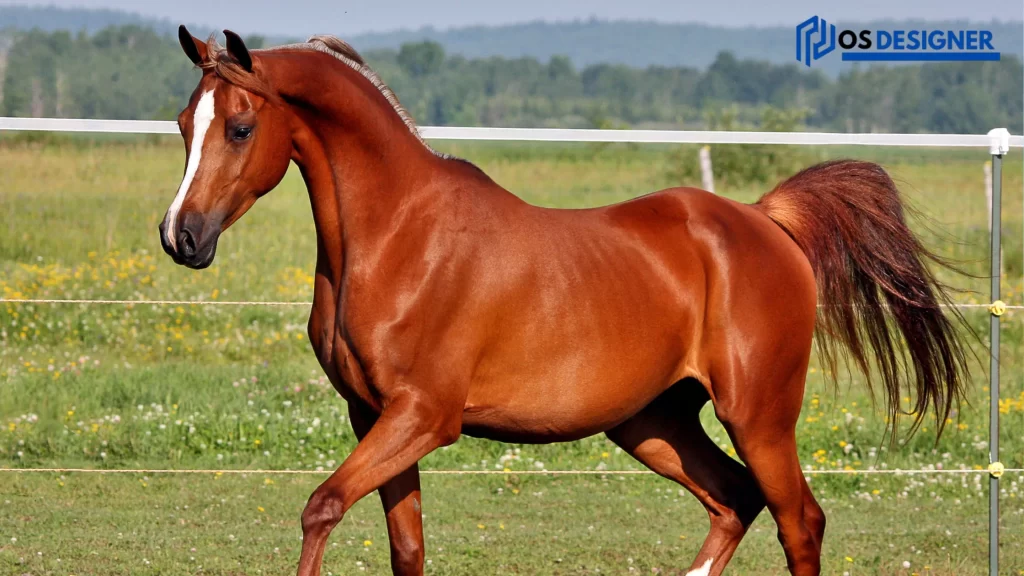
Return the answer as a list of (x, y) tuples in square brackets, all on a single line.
[(186, 244)]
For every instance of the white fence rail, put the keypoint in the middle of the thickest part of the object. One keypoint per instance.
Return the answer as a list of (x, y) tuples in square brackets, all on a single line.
[(564, 134)]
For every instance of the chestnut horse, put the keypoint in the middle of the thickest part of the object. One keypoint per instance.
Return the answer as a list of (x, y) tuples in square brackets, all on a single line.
[(444, 305)]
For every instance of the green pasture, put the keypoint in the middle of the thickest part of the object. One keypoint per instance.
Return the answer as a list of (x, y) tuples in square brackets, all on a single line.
[(113, 386)]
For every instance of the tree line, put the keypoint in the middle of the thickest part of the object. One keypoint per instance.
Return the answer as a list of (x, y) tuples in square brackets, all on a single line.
[(132, 72)]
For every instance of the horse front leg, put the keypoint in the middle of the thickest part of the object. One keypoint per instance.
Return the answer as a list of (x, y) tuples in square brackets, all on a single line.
[(409, 427), (400, 497)]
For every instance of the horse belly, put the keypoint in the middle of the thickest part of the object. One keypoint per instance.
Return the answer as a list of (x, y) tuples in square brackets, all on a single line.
[(558, 409)]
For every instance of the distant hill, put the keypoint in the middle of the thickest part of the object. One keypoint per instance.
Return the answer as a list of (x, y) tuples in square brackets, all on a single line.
[(634, 43), (643, 44)]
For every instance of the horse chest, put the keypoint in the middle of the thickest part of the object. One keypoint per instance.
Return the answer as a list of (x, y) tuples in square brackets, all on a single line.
[(335, 355)]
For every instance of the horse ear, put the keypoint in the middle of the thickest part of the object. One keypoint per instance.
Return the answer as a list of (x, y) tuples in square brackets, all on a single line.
[(194, 48), (238, 51)]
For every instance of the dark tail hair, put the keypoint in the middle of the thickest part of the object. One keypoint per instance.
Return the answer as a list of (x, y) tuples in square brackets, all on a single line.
[(874, 288)]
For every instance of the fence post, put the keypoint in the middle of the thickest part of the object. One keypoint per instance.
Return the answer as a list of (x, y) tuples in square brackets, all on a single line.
[(707, 175), (1000, 145), (987, 170)]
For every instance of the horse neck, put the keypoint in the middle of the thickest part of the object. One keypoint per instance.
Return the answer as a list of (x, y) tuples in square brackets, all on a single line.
[(359, 160)]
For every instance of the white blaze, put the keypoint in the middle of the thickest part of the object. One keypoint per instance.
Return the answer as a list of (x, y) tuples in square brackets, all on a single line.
[(200, 124), (704, 570)]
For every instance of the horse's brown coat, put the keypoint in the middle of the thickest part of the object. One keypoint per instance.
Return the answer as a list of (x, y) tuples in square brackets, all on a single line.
[(444, 305)]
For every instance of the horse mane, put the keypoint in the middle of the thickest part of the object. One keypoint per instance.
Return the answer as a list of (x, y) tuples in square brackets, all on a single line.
[(226, 67)]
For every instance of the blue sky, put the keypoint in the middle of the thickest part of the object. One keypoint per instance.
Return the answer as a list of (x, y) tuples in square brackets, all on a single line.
[(347, 17)]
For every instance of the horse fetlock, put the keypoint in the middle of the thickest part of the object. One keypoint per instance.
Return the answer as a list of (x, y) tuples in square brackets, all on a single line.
[(322, 513)]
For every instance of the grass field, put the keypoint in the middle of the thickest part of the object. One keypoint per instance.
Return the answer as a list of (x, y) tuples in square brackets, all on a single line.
[(496, 525), (236, 387)]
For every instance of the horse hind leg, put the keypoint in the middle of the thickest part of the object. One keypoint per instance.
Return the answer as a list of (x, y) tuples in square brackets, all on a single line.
[(766, 441), (668, 438), (814, 517)]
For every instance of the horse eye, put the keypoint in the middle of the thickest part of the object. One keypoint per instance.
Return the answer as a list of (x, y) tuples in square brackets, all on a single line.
[(242, 133)]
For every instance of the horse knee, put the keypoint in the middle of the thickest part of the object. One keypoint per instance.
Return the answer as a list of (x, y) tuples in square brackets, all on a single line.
[(407, 558), (323, 512), (734, 519), (728, 523), (814, 518)]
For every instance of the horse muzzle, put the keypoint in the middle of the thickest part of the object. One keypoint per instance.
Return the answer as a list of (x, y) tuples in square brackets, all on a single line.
[(195, 242)]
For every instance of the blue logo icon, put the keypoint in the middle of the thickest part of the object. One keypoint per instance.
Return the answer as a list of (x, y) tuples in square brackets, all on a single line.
[(806, 48)]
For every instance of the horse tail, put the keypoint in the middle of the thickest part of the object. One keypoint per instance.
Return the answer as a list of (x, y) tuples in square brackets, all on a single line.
[(874, 287)]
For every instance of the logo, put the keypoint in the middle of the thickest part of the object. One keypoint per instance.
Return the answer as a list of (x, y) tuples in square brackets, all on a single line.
[(816, 38), (805, 31)]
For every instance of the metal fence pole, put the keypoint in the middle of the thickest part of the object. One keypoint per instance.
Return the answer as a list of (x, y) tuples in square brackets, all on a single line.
[(999, 146)]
